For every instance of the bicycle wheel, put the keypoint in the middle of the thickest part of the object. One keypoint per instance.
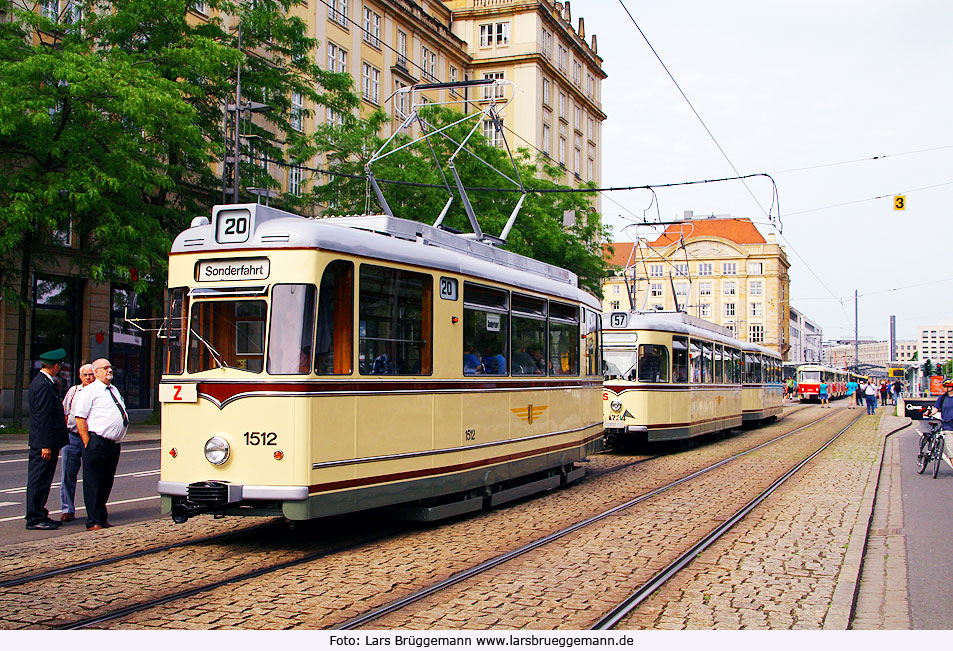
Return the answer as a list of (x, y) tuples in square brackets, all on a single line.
[(923, 456), (937, 455)]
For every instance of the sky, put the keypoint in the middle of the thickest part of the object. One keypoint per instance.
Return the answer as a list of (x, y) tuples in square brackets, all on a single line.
[(784, 86)]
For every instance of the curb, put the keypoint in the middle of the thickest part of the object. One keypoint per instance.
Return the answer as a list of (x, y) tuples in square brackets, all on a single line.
[(848, 580), (26, 450)]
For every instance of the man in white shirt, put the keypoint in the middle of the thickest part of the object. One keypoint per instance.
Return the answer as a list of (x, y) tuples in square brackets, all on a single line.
[(72, 454), (101, 422)]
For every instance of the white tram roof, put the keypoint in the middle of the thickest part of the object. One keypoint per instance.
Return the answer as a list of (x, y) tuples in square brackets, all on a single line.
[(681, 323), (388, 239)]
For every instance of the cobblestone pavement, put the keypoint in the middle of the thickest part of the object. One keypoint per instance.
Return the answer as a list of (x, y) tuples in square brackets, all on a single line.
[(882, 601), (570, 583), (779, 568), (335, 588)]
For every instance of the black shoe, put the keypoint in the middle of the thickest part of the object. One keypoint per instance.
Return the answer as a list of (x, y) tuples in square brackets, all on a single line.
[(44, 525)]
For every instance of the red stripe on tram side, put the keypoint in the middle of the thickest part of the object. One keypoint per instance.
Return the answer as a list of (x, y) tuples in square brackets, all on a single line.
[(222, 391), (428, 472)]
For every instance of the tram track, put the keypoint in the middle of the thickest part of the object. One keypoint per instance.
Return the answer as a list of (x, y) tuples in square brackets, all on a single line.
[(506, 557), (331, 551)]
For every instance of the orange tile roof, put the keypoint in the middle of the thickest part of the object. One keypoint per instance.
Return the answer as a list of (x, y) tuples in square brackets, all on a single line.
[(739, 230), (621, 253)]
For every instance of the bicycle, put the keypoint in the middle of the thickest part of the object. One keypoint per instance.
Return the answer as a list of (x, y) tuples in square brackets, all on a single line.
[(931, 448)]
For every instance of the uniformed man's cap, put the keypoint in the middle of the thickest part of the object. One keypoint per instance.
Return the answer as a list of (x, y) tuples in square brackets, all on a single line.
[(54, 356)]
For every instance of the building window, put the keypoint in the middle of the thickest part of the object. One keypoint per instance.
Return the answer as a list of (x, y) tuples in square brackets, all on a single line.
[(400, 100), (681, 289), (401, 49), (704, 288), (297, 111), (294, 180), (546, 92), (339, 11), (730, 288), (371, 83), (616, 289), (453, 75), (704, 269), (590, 85), (496, 90), (562, 151), (705, 310), (656, 270), (577, 118), (372, 27), (591, 170), (546, 138), (491, 134), (614, 305), (577, 161), (757, 288), (755, 268), (656, 290), (577, 74), (428, 64), (547, 42), (729, 268), (756, 334), (756, 309), (337, 58), (493, 34), (563, 56), (729, 309), (562, 106)]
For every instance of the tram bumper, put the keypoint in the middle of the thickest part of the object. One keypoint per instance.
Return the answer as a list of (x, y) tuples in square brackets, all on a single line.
[(188, 500), (616, 432)]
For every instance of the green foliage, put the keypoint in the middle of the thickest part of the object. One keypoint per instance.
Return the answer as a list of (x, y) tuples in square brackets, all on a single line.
[(112, 119), (538, 231)]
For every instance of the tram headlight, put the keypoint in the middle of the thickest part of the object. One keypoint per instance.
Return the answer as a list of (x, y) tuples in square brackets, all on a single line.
[(616, 405), (216, 450)]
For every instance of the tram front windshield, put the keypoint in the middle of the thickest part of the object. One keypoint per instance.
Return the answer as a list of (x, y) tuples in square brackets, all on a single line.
[(810, 376), (227, 334), (618, 363)]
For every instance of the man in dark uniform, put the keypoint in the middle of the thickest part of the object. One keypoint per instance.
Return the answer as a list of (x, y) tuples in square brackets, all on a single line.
[(47, 436)]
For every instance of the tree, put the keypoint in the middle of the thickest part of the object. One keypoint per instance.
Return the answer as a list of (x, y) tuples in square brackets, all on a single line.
[(538, 231), (111, 118)]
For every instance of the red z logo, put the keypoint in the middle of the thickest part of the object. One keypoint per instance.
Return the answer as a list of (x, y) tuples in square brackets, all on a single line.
[(178, 391)]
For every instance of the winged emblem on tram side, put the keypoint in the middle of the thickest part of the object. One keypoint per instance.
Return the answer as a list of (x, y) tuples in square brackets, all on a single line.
[(530, 412)]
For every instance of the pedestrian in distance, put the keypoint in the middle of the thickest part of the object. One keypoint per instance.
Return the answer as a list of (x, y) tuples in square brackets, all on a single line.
[(852, 389), (47, 436), (870, 393), (102, 422), (822, 394), (883, 393), (859, 394), (72, 453)]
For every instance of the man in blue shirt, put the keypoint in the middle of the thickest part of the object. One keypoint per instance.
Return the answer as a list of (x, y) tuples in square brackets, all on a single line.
[(852, 388), (944, 406)]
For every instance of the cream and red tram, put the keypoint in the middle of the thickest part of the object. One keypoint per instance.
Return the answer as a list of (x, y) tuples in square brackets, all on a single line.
[(810, 376), (670, 376), (323, 366)]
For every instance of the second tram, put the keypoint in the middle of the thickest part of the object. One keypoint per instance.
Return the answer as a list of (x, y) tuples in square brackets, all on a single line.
[(671, 376), (810, 376)]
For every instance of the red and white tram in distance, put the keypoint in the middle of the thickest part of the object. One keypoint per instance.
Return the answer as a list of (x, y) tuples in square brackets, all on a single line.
[(809, 377)]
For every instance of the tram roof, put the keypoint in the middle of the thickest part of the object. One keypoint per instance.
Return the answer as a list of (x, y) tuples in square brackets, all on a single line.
[(682, 323), (389, 239)]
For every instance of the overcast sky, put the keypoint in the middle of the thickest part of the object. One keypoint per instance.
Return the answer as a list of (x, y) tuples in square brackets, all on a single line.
[(784, 86)]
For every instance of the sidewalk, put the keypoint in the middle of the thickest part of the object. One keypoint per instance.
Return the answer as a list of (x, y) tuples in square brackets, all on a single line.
[(138, 434)]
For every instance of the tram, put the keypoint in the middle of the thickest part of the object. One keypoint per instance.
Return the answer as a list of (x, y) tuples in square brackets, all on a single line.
[(670, 376), (809, 377), (322, 366)]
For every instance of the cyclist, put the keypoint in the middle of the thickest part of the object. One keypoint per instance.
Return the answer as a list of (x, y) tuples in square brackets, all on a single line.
[(944, 407)]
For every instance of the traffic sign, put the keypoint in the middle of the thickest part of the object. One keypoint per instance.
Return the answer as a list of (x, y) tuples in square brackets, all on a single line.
[(900, 202)]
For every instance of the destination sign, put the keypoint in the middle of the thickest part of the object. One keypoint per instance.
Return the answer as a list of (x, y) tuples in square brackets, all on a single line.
[(243, 269)]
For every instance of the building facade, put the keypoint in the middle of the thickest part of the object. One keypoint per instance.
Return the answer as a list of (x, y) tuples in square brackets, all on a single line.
[(806, 339), (720, 269), (936, 343)]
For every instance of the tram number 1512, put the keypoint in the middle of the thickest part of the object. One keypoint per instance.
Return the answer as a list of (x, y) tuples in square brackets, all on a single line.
[(261, 438)]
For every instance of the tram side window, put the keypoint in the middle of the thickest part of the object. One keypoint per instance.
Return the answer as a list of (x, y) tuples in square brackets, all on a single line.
[(695, 358), (485, 330), (174, 337), (719, 364), (737, 367), (653, 363), (227, 333), (528, 335), (680, 359), (396, 322), (707, 363), (334, 350), (563, 339), (593, 343), (291, 335), (752, 369)]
